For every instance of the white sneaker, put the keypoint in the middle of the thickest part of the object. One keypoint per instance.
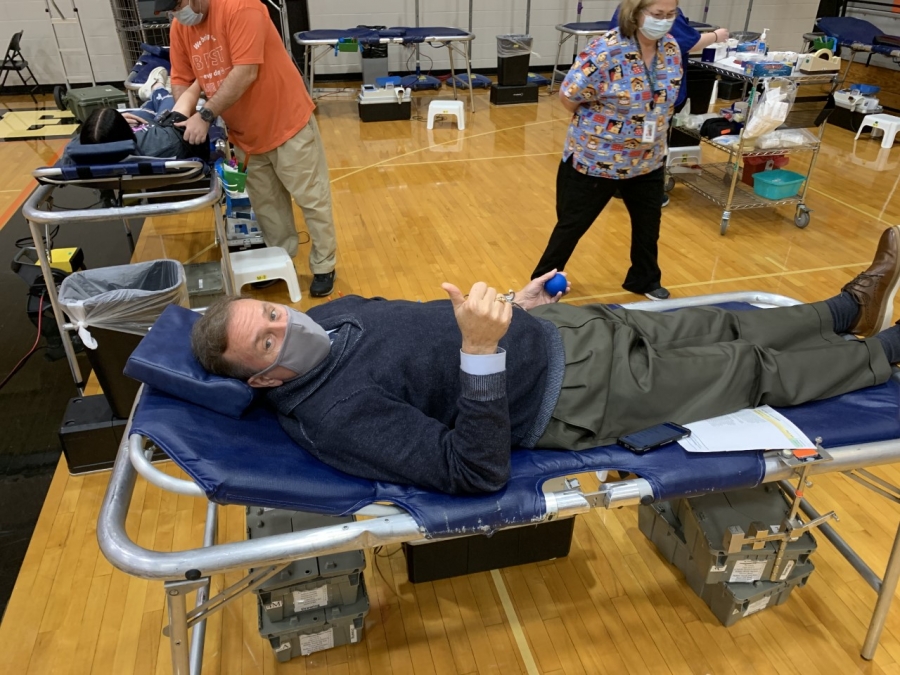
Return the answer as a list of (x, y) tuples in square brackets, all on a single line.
[(157, 76)]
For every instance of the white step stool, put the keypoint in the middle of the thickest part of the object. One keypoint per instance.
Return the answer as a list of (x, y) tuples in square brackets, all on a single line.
[(262, 264), (457, 108), (887, 124)]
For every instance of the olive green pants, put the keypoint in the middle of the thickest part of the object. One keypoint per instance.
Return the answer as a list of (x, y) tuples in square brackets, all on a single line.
[(627, 370)]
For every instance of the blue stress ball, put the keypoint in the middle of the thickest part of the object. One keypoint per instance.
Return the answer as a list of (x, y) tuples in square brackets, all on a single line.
[(556, 285)]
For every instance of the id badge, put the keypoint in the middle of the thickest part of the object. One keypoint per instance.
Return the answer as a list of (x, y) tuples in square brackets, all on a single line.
[(649, 133)]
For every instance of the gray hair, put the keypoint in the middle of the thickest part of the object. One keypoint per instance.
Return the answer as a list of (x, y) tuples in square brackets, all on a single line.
[(209, 341)]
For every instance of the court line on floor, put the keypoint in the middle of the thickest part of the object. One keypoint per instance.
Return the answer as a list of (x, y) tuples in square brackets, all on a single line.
[(514, 625), (24, 194), (861, 265), (448, 161), (418, 150), (849, 206)]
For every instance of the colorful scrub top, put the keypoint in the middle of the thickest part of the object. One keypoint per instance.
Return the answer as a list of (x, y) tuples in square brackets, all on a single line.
[(608, 138), (687, 38)]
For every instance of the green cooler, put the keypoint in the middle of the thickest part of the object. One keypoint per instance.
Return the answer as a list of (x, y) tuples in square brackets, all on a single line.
[(85, 100)]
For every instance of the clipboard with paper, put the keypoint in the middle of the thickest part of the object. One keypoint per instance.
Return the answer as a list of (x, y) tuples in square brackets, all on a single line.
[(760, 428)]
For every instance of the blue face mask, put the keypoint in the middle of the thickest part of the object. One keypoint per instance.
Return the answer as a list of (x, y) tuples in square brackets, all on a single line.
[(187, 16), (655, 29)]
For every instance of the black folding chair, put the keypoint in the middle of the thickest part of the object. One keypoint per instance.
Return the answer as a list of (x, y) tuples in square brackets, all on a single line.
[(15, 62)]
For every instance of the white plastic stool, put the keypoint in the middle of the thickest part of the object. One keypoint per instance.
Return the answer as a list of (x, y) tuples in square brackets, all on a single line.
[(262, 264), (457, 108), (887, 124)]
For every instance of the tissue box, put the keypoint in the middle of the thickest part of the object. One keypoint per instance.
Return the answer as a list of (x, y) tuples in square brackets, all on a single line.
[(715, 52), (767, 69)]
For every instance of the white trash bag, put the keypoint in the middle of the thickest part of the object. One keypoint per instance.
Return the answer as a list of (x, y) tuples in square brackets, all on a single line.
[(513, 45), (125, 298)]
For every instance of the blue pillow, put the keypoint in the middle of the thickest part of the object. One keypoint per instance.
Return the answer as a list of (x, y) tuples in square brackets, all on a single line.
[(100, 153), (164, 360)]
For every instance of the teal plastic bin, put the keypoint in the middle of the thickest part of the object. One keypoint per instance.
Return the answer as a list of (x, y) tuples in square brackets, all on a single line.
[(777, 184)]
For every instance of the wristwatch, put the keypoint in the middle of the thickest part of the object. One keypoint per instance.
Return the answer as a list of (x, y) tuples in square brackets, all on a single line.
[(207, 115)]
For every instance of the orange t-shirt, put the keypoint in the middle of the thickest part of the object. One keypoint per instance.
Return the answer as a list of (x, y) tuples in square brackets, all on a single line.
[(239, 32)]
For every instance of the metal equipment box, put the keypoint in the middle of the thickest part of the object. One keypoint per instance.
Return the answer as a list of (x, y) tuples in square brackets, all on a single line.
[(660, 525), (705, 520), (283, 603), (82, 101), (264, 522), (317, 630), (732, 602), (728, 601), (204, 279)]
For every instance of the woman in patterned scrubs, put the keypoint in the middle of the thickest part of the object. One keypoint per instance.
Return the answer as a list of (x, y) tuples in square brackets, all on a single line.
[(619, 91)]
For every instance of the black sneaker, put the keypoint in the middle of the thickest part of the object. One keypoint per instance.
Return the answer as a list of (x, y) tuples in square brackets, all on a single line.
[(322, 285), (665, 201), (658, 294)]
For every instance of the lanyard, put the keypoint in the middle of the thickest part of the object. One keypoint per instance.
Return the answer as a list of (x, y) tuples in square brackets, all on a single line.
[(652, 73)]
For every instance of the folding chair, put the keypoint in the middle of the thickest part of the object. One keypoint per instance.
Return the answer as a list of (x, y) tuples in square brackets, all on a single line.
[(14, 62)]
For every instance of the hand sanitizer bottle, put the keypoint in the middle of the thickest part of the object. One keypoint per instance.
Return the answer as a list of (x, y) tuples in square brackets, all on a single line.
[(761, 43)]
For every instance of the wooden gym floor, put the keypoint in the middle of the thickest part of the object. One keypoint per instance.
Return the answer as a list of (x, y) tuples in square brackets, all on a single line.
[(414, 208)]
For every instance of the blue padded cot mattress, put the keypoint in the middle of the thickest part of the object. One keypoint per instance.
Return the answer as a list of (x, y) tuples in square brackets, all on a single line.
[(856, 34), (406, 34), (603, 26), (252, 461)]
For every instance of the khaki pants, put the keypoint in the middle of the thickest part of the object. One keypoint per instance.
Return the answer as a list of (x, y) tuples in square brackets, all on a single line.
[(296, 168)]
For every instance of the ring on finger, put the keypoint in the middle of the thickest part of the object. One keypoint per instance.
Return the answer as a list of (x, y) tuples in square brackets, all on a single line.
[(501, 298)]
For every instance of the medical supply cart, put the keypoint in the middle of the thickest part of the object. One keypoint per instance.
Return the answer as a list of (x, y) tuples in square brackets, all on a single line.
[(720, 182)]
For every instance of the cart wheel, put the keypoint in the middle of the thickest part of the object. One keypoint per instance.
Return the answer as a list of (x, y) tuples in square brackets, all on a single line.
[(670, 183), (59, 93), (723, 227), (801, 218)]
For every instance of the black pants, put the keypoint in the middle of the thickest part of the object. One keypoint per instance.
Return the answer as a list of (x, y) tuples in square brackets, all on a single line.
[(581, 198)]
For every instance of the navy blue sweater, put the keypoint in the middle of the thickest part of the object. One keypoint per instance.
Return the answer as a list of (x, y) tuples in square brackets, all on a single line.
[(391, 403)]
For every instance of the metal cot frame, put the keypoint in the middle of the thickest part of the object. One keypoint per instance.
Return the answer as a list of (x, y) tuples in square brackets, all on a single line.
[(38, 211), (187, 571), (312, 55)]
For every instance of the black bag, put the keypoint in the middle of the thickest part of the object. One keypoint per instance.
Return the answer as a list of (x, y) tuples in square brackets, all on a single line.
[(719, 127)]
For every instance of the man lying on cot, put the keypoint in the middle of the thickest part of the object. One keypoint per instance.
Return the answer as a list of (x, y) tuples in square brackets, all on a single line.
[(154, 128), (380, 388)]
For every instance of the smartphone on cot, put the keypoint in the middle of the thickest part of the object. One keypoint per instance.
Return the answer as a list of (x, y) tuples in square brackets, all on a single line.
[(654, 437)]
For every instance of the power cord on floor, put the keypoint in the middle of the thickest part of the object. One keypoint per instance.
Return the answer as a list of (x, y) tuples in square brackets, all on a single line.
[(377, 555), (28, 242), (33, 349)]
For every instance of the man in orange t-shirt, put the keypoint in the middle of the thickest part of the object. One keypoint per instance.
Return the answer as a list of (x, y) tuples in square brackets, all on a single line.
[(232, 48)]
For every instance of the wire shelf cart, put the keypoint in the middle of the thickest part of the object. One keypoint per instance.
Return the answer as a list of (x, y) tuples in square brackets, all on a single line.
[(720, 182), (136, 24)]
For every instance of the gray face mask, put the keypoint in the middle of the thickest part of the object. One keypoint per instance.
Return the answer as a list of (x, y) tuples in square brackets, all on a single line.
[(305, 345), (187, 16)]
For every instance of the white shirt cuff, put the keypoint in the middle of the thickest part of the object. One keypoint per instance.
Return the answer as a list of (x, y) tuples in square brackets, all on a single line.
[(483, 364)]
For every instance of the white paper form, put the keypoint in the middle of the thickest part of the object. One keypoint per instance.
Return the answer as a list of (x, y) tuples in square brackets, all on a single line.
[(751, 429)]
